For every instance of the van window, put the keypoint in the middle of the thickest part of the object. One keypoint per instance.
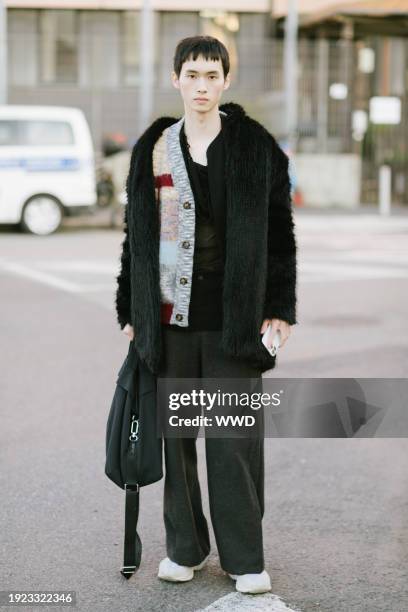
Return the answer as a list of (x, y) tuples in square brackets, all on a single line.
[(8, 133), (35, 132)]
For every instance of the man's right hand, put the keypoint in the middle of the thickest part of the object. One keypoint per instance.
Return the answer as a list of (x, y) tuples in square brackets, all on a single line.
[(128, 330)]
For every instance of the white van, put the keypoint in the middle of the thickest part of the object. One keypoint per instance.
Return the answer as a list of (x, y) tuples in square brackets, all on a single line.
[(47, 166)]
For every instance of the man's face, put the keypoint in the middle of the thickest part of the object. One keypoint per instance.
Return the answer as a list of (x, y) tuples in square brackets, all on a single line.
[(201, 78)]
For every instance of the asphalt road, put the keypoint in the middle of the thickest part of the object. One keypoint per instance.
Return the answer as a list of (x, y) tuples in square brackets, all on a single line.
[(335, 526)]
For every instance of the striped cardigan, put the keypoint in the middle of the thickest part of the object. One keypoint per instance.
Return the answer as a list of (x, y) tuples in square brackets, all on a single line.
[(176, 207)]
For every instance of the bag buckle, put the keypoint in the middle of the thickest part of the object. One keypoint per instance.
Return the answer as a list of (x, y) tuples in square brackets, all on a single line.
[(131, 487), (128, 570)]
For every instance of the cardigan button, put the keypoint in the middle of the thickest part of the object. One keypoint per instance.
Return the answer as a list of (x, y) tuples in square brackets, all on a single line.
[(186, 244), (187, 205), (179, 317), (183, 280)]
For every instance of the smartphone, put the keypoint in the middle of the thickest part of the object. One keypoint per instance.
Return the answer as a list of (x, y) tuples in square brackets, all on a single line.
[(266, 339)]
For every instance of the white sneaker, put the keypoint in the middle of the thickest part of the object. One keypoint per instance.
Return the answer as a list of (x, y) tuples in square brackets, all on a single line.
[(252, 583), (172, 571)]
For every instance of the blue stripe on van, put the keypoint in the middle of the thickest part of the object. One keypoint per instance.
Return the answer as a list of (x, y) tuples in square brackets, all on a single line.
[(41, 164)]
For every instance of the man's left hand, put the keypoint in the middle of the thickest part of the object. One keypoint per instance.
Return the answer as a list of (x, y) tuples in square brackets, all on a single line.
[(277, 324)]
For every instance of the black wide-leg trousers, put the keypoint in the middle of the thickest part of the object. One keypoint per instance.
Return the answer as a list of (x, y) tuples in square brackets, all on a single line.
[(235, 469)]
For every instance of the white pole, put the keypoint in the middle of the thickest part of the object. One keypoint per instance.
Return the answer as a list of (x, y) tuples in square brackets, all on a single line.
[(3, 53), (147, 66), (384, 190), (290, 70)]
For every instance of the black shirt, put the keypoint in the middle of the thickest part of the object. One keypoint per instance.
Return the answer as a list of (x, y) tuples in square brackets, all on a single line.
[(207, 254)]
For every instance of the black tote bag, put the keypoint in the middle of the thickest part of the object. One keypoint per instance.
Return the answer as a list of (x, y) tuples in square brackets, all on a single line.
[(133, 445)]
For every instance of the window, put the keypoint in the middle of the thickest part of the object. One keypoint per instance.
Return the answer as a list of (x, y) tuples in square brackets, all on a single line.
[(59, 46), (35, 132), (131, 48), (22, 47), (8, 133), (131, 41), (100, 48)]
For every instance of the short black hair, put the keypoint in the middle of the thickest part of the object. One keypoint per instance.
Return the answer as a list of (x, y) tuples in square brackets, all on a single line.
[(207, 46)]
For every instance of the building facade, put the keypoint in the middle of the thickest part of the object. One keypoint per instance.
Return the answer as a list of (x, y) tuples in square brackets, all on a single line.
[(86, 53)]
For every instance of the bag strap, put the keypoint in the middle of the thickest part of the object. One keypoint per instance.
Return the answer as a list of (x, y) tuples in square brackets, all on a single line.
[(132, 545)]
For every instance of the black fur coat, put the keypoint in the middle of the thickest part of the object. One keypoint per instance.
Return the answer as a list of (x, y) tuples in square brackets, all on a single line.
[(260, 266)]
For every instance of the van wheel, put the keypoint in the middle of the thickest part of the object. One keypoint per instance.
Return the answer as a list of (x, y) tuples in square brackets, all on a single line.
[(42, 215)]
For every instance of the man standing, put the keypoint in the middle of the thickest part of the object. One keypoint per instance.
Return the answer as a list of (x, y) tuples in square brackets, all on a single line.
[(208, 262)]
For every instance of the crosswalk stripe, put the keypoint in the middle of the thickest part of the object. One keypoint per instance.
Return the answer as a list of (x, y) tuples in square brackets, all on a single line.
[(335, 270), (42, 277), (79, 265), (325, 267)]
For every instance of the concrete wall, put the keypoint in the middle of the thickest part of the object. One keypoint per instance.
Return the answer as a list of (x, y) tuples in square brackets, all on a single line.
[(329, 180)]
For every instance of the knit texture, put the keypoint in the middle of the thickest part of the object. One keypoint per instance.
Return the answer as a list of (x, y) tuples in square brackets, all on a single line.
[(176, 207)]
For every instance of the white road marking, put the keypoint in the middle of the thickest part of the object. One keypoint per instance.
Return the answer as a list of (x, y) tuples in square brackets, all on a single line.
[(334, 270), (318, 267), (41, 277), (251, 603), (79, 265), (376, 257), (95, 287), (60, 283), (351, 224)]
